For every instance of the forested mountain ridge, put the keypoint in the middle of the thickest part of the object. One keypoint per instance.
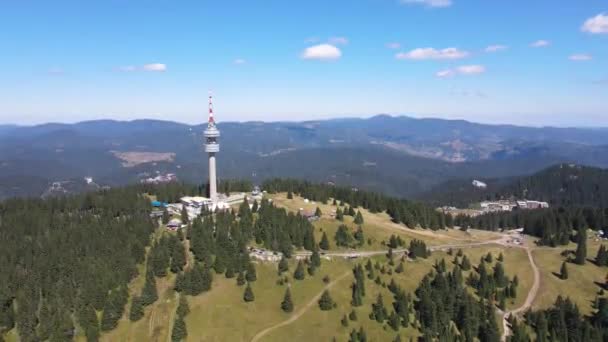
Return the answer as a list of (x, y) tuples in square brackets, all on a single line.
[(409, 155), (559, 185)]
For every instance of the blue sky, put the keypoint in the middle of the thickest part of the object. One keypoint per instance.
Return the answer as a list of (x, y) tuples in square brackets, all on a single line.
[(524, 62)]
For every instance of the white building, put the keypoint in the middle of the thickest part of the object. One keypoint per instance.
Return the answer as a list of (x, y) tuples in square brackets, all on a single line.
[(479, 184)]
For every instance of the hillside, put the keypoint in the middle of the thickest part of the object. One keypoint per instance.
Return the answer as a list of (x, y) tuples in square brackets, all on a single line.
[(560, 185), (199, 285), (408, 155)]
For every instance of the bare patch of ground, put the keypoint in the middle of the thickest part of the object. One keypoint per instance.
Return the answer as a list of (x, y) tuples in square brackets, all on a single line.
[(132, 158)]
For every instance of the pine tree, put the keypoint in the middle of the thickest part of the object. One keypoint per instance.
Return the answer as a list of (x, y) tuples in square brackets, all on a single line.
[(318, 212), (326, 302), (184, 216), (299, 273), (179, 332), (465, 263), (183, 308), (178, 258), (488, 257), (358, 218), (359, 236), (339, 215), (240, 279), (602, 256), (501, 257), (324, 244), (248, 295), (149, 293), (287, 304), (563, 273), (166, 217), (343, 237), (315, 257), (289, 195), (251, 274), (352, 315), (541, 328), (581, 248), (394, 321), (344, 321), (137, 309)]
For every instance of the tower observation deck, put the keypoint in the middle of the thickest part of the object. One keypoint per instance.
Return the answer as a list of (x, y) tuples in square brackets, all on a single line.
[(212, 146)]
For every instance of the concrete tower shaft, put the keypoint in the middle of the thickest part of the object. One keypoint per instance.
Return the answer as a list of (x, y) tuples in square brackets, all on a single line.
[(212, 146)]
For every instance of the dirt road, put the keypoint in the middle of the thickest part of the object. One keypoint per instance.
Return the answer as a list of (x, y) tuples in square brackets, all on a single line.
[(529, 299), (300, 312)]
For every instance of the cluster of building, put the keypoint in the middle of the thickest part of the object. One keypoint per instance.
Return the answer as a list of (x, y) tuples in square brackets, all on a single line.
[(509, 205), (494, 207), (194, 205), (160, 178)]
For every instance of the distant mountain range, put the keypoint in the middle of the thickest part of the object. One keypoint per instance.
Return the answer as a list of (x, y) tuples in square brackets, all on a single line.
[(400, 156)]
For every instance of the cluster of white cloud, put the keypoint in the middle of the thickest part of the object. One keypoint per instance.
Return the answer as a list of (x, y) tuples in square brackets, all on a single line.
[(596, 25), (496, 48), (474, 69), (581, 57), (146, 67), (431, 53), (540, 43), (429, 3), (239, 61), (322, 52)]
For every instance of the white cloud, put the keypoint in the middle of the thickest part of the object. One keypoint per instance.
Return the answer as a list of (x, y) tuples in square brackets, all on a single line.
[(338, 41), (496, 48), (445, 73), (580, 57), (596, 25), (431, 53), (393, 45), (540, 43), (155, 67), (322, 52), (429, 3), (471, 69), (239, 61), (146, 67), (474, 69)]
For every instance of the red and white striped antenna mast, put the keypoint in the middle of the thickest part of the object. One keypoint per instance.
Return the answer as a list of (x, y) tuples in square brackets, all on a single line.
[(211, 120)]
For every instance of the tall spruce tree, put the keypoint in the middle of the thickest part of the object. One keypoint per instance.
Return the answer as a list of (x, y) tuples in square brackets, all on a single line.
[(358, 218), (324, 244), (248, 296), (179, 332), (287, 303), (299, 273), (602, 256), (136, 312), (581, 248), (326, 302), (563, 273)]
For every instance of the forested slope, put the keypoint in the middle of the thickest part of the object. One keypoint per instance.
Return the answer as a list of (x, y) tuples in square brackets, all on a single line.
[(560, 185)]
